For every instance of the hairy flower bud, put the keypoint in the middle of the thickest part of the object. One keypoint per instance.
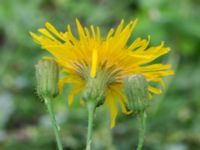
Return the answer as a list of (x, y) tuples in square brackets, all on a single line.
[(136, 90), (47, 77), (95, 89)]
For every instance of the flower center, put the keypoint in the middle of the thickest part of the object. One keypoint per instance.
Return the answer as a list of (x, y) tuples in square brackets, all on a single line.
[(110, 74), (96, 86)]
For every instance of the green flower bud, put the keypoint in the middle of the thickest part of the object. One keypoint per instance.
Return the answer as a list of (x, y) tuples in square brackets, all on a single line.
[(136, 90), (95, 89), (47, 78)]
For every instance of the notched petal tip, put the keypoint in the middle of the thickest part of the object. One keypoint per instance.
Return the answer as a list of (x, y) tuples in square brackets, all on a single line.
[(135, 21)]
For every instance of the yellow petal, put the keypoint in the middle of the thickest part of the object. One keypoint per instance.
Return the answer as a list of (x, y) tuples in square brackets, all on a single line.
[(121, 98), (143, 45), (75, 90), (155, 67), (154, 90), (137, 43), (35, 37), (51, 28), (93, 32), (119, 28), (87, 32), (46, 33), (71, 36), (113, 109), (69, 79), (98, 33), (120, 39), (160, 81), (94, 63), (123, 107), (80, 29), (110, 33)]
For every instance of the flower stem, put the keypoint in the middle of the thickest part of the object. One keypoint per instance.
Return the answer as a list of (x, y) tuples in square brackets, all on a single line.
[(48, 102), (91, 110), (142, 118)]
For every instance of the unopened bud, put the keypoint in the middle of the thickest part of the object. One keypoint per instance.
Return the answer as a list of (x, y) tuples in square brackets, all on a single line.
[(47, 78), (136, 90)]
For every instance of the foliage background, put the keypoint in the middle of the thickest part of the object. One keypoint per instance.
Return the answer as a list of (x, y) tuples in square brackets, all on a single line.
[(173, 118)]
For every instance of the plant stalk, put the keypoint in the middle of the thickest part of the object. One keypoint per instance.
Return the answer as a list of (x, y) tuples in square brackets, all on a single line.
[(48, 102), (142, 118), (91, 110)]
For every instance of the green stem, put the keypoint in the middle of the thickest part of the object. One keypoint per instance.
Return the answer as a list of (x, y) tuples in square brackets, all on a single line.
[(53, 121), (91, 109), (142, 118)]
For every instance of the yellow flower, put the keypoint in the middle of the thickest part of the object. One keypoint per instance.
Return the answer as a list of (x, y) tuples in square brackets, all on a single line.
[(86, 56)]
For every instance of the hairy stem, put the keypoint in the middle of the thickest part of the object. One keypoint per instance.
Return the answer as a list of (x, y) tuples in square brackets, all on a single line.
[(91, 110), (48, 102), (142, 118)]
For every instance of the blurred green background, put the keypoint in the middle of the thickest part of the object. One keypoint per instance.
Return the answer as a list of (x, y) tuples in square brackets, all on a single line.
[(173, 118)]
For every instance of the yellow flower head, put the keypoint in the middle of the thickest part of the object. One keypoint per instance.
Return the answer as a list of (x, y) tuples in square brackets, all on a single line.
[(90, 55)]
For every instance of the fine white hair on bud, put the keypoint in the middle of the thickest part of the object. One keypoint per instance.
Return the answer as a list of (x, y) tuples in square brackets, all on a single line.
[(136, 90), (47, 78)]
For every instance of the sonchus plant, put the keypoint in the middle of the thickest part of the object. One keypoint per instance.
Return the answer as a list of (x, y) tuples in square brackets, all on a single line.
[(102, 69)]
